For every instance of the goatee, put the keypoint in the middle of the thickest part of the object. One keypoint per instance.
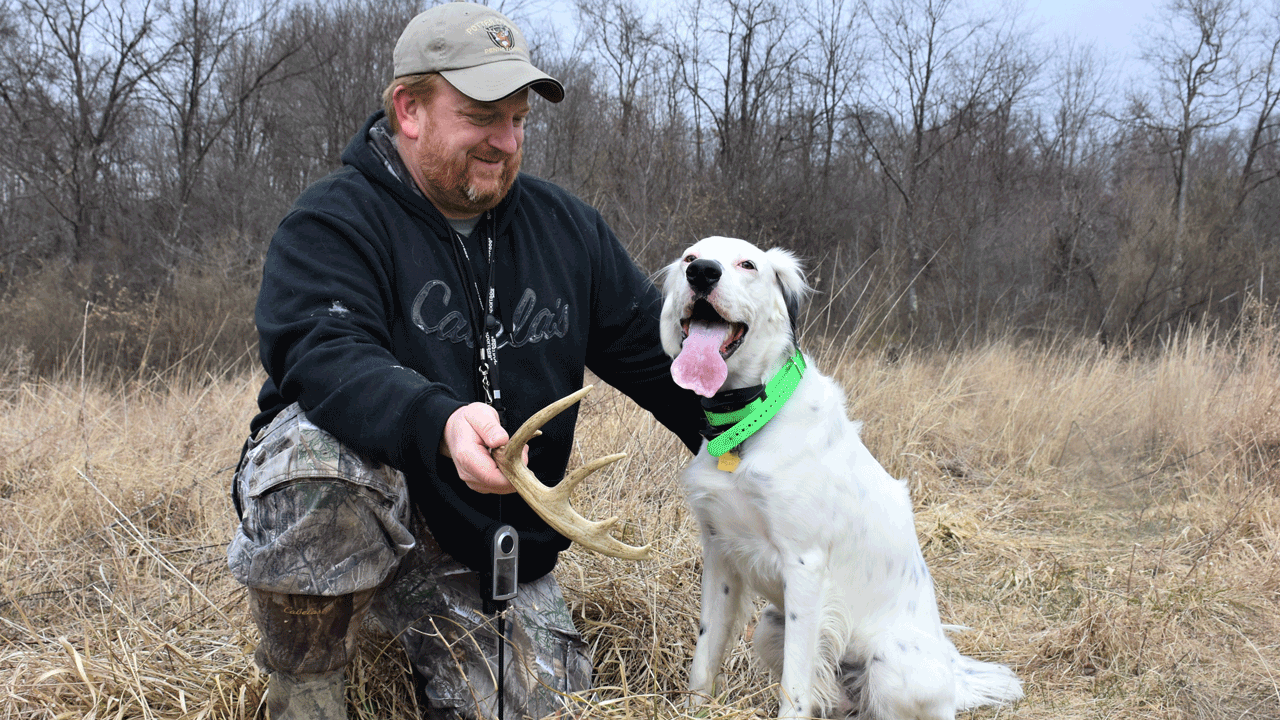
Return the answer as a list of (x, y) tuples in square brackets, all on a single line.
[(454, 189)]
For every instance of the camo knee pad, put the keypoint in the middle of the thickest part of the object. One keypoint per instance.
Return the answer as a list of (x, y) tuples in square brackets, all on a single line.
[(316, 518)]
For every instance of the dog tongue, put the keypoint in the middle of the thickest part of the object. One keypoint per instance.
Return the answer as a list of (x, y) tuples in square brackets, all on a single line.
[(699, 366)]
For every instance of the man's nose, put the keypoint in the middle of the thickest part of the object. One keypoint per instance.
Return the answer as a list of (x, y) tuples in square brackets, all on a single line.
[(506, 137), (703, 274)]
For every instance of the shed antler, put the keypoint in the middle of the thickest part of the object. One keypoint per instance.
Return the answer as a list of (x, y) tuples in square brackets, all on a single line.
[(552, 503)]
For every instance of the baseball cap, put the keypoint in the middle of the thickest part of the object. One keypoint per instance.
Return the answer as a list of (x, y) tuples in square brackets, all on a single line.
[(477, 49)]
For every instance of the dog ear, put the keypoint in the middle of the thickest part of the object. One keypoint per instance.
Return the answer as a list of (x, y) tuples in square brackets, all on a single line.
[(790, 274)]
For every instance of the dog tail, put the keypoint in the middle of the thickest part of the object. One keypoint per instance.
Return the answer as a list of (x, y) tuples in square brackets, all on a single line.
[(983, 683)]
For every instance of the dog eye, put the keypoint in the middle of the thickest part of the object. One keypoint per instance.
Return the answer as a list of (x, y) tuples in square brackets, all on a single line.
[(690, 257), (747, 265)]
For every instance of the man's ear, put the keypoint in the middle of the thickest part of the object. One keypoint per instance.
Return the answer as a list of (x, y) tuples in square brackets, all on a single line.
[(407, 107)]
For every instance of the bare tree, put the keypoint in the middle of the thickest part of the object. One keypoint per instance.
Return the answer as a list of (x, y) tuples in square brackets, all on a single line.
[(831, 68), (88, 61), (1201, 85), (943, 70), (1069, 143), (627, 46), (195, 107), (349, 46), (623, 43), (736, 87), (1264, 133)]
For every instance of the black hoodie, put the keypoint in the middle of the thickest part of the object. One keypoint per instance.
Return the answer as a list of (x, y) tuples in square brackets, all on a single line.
[(367, 318)]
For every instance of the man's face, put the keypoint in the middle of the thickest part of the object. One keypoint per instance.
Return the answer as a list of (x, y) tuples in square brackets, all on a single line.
[(468, 152)]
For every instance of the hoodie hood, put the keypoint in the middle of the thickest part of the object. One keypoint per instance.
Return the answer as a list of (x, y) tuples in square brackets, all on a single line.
[(362, 154)]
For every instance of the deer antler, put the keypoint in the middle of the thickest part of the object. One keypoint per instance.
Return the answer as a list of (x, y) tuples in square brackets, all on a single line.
[(552, 503)]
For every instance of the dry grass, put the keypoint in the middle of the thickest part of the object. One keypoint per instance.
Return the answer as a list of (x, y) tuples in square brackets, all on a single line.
[(1108, 525)]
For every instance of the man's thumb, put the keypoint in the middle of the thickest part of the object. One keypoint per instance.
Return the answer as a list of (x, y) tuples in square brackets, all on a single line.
[(490, 431)]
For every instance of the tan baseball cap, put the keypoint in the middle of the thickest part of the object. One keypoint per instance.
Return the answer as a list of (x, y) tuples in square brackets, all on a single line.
[(476, 48)]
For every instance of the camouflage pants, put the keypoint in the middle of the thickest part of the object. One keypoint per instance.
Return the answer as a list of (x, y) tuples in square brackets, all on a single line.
[(318, 520)]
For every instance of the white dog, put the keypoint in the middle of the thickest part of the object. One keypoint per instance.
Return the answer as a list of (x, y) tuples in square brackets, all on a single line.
[(798, 511)]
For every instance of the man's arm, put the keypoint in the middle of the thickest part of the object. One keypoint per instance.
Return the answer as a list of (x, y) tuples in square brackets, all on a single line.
[(626, 349), (323, 321)]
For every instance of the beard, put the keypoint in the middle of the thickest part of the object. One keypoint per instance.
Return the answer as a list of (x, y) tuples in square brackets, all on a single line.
[(453, 185)]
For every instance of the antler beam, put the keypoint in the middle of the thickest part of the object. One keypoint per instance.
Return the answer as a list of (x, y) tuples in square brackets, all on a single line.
[(552, 503)]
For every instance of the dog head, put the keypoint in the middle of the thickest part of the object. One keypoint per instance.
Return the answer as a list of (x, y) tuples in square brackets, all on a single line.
[(729, 313)]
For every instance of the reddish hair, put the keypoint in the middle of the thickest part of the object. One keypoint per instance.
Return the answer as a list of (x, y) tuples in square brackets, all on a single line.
[(421, 87)]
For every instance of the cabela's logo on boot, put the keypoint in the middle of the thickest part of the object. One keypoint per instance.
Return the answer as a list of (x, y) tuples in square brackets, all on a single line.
[(502, 36)]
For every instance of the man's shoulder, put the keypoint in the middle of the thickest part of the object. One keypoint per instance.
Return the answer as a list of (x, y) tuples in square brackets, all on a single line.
[(535, 191), (351, 197), (344, 183)]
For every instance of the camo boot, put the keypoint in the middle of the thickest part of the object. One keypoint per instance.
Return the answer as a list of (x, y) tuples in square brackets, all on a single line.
[(307, 641), (306, 697)]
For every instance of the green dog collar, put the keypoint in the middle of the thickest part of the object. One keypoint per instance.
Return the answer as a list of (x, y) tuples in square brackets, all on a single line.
[(753, 416)]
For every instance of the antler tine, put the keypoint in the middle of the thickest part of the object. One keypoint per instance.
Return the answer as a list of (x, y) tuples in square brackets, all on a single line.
[(533, 426), (566, 486), (552, 503)]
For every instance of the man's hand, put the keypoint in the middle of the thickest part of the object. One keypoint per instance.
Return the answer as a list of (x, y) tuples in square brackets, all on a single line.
[(469, 434)]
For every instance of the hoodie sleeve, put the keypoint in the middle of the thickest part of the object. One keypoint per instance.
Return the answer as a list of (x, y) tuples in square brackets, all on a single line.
[(323, 317), (626, 348)]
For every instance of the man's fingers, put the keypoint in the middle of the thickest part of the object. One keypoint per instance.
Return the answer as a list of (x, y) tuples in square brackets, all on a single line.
[(470, 433), (482, 474), (491, 433)]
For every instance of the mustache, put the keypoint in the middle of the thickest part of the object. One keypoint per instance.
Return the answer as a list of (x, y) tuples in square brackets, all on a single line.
[(496, 157)]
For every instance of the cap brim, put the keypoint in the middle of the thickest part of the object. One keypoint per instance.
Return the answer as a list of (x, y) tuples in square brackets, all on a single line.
[(496, 80)]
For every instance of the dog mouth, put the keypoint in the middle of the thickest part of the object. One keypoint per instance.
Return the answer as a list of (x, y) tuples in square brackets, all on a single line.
[(707, 341), (702, 313)]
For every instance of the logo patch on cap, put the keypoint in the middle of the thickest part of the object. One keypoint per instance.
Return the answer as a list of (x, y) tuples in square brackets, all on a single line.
[(501, 36)]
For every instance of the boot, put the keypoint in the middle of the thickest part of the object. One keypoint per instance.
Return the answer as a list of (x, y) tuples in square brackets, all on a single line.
[(306, 697), (307, 641)]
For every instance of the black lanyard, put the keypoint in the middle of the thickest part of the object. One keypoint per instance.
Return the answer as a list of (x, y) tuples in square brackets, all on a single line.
[(487, 328), (487, 338)]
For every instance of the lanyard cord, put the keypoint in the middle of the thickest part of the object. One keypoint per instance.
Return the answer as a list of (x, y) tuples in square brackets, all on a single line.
[(486, 326), (502, 645), (487, 330)]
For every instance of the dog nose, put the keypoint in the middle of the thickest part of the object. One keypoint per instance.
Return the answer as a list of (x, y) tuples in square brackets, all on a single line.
[(703, 274)]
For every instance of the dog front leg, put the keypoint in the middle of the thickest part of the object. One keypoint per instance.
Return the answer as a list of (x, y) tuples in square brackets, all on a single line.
[(721, 622), (804, 596)]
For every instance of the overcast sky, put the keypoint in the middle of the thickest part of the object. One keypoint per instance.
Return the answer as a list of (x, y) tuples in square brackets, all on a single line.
[(1112, 25)]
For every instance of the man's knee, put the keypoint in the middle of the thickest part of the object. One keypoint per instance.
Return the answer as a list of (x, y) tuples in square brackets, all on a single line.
[(316, 519), (314, 537)]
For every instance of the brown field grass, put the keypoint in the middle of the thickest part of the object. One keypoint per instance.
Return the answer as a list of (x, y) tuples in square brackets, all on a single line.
[(1106, 523)]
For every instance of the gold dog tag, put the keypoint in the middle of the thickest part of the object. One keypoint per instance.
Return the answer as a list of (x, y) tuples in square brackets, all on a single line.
[(728, 462)]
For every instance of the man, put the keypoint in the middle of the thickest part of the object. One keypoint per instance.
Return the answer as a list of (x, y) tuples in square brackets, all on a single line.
[(414, 305)]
